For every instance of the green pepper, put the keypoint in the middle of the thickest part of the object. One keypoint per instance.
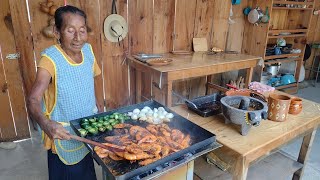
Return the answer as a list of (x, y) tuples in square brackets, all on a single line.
[(84, 124), (93, 131), (111, 116), (100, 120), (92, 120), (99, 124), (116, 116), (109, 127), (114, 123), (105, 123), (94, 124), (126, 117), (83, 132), (111, 120), (84, 121), (102, 129)]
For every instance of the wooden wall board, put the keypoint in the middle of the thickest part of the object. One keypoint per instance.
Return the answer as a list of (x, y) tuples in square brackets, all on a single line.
[(185, 12), (220, 23), (24, 42), (204, 20), (12, 97), (141, 34), (316, 37), (115, 71), (184, 24), (39, 20), (91, 8), (236, 30), (163, 26), (203, 27), (7, 129), (24, 45), (278, 19)]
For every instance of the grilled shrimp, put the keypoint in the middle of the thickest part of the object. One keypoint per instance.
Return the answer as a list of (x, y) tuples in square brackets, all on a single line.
[(115, 156), (186, 141), (148, 138), (177, 135), (122, 125), (153, 129), (139, 156), (149, 161)]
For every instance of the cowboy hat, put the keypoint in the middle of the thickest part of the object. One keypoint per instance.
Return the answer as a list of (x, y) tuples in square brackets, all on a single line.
[(115, 28)]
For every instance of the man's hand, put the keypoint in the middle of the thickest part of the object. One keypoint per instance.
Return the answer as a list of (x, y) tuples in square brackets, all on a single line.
[(55, 130)]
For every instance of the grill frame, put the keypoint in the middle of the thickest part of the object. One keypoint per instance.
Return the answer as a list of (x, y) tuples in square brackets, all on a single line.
[(203, 141)]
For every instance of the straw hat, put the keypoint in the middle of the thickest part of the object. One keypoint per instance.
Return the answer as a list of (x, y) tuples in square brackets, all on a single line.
[(115, 28)]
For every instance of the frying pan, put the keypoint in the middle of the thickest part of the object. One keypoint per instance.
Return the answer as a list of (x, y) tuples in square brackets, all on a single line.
[(307, 52)]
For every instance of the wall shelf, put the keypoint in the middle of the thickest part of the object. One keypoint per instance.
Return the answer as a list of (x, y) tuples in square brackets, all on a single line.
[(287, 86), (282, 56), (292, 2), (288, 36), (282, 60), (291, 8), (277, 31)]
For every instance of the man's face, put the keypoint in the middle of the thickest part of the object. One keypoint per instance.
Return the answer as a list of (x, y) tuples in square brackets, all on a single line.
[(73, 32)]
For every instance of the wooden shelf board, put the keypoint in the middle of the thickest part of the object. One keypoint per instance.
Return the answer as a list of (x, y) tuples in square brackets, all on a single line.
[(292, 2), (282, 60), (281, 56), (287, 36), (287, 86), (288, 30), (287, 8)]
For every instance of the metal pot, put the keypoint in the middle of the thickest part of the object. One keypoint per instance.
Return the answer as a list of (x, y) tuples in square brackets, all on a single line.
[(255, 15), (273, 69)]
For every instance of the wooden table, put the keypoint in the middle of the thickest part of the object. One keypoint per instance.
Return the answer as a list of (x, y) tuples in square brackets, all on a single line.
[(189, 66), (262, 140)]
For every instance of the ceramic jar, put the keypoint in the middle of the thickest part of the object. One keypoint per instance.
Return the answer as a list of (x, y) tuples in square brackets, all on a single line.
[(278, 107), (295, 106)]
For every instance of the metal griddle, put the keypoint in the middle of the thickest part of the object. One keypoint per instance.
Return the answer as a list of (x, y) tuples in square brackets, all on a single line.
[(202, 141)]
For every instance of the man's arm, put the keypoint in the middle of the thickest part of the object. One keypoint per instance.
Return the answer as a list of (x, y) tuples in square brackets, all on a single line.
[(53, 129)]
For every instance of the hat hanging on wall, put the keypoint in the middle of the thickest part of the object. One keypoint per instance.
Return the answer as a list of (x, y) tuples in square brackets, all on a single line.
[(115, 28)]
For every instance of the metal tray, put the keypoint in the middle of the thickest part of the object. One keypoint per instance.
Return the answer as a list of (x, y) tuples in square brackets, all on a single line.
[(200, 138), (207, 105)]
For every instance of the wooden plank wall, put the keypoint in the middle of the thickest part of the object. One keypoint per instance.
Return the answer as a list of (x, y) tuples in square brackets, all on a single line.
[(157, 26), (13, 117), (313, 37), (154, 27)]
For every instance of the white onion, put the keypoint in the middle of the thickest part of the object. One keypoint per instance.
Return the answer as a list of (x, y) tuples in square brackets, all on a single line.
[(144, 110), (141, 115), (169, 115), (155, 115), (134, 117), (161, 109), (130, 113), (136, 111)]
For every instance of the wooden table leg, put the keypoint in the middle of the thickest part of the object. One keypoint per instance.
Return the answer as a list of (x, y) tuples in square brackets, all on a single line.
[(248, 77), (138, 86), (169, 94), (304, 153), (209, 77), (241, 169)]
